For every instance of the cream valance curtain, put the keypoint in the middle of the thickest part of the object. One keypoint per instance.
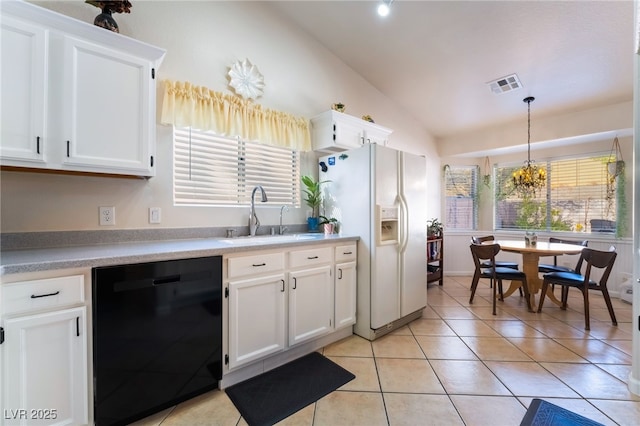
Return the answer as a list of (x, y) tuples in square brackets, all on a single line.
[(186, 105)]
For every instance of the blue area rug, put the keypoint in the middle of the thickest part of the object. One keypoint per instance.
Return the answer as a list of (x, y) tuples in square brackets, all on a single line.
[(272, 396), (543, 413)]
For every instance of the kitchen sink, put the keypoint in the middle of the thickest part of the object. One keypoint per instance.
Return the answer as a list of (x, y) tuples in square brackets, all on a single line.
[(265, 239)]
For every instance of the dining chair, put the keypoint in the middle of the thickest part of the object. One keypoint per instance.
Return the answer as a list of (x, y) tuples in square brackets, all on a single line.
[(603, 260), (546, 268), (483, 253), (499, 263)]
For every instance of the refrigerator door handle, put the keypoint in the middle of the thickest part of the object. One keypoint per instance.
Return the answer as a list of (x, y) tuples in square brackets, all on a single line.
[(403, 234)]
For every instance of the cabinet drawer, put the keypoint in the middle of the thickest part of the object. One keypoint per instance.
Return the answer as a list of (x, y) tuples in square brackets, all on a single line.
[(42, 294), (314, 256), (346, 253), (256, 264)]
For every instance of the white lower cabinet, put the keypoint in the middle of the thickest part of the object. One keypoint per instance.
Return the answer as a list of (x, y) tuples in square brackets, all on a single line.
[(256, 318), (44, 353), (345, 285), (345, 294), (279, 300), (310, 304)]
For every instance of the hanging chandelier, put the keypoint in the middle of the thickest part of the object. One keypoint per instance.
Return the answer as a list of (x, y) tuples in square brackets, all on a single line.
[(529, 178)]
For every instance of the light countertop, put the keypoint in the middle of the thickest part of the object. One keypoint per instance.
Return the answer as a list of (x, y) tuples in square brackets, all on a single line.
[(43, 259)]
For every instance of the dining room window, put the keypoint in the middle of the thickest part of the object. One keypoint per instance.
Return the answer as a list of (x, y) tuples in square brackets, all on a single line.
[(580, 195), (461, 197), (221, 171)]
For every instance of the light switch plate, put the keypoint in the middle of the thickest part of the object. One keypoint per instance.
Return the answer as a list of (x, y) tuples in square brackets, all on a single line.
[(155, 215)]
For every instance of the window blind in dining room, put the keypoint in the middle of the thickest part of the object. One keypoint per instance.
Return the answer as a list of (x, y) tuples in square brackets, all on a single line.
[(579, 194), (461, 197), (214, 170)]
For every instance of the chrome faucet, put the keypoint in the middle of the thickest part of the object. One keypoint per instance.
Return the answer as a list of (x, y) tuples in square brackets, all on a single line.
[(254, 223), (281, 229)]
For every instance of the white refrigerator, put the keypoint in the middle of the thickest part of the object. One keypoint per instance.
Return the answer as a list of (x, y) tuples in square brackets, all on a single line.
[(378, 193)]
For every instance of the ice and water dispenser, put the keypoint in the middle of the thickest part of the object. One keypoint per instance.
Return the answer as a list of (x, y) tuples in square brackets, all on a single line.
[(387, 225)]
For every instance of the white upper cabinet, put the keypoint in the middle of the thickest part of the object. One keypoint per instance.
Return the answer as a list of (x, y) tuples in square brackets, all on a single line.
[(107, 101), (24, 91), (333, 131), (83, 98)]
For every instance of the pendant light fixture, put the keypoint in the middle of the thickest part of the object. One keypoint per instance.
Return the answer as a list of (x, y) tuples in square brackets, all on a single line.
[(529, 178)]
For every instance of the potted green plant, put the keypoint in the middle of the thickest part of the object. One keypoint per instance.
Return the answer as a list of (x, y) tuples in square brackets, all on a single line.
[(329, 224), (434, 228), (313, 199)]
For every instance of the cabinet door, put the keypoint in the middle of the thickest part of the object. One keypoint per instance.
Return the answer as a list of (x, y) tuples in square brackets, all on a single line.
[(310, 303), (347, 135), (377, 136), (345, 294), (108, 96), (256, 318), (45, 368), (24, 90)]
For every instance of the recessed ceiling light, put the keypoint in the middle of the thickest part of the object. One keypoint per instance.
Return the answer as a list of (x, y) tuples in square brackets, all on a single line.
[(505, 84), (384, 8)]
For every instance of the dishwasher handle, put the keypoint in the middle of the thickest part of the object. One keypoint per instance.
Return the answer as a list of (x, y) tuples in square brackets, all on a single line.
[(129, 285), (166, 280)]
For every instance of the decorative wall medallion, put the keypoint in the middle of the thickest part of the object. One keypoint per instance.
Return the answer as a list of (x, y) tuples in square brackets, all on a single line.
[(246, 80)]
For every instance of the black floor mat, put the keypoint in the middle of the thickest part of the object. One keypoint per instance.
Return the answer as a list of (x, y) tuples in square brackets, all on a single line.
[(270, 397)]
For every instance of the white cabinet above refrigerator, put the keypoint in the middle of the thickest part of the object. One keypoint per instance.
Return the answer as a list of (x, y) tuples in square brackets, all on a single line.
[(334, 131)]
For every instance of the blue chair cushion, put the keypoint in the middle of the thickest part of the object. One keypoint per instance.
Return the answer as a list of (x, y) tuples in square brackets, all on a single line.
[(499, 263), (504, 273), (567, 278), (547, 268)]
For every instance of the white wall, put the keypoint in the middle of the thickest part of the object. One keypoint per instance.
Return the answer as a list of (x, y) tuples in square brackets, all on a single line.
[(608, 118), (203, 39)]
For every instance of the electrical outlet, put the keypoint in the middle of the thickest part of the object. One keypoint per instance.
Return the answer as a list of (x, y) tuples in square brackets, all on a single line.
[(107, 216), (155, 215)]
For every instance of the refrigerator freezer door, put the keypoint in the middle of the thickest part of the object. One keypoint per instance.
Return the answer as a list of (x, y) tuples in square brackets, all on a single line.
[(348, 198), (385, 274), (413, 257)]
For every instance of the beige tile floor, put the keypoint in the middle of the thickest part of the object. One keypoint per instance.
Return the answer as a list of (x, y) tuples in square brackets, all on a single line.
[(460, 365)]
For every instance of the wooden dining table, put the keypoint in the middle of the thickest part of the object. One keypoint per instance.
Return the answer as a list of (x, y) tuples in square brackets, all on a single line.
[(530, 259)]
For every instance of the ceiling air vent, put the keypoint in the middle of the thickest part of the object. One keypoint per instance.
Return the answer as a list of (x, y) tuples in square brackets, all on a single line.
[(505, 84)]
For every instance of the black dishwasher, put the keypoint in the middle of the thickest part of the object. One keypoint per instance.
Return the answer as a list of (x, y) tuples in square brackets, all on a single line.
[(157, 336)]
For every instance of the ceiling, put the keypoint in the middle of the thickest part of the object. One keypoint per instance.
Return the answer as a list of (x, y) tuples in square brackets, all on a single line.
[(434, 58)]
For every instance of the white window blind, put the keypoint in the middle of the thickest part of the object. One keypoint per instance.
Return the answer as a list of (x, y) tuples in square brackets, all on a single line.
[(461, 196), (579, 196), (214, 170)]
